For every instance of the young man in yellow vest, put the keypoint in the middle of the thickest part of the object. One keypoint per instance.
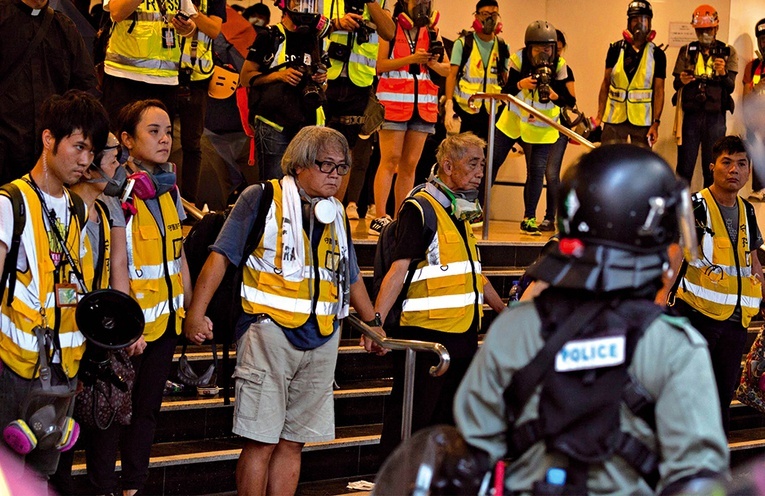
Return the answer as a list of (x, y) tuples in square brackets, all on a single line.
[(631, 96), (720, 292), (286, 78), (44, 274), (296, 286), (352, 50), (444, 298), (196, 68), (704, 78)]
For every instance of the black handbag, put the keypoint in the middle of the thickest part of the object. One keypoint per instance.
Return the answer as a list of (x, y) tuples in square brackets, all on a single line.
[(107, 383)]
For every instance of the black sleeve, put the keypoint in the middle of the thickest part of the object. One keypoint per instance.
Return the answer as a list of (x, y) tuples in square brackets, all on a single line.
[(413, 238), (217, 8), (262, 48), (612, 57), (565, 98), (513, 77), (660, 63), (83, 76)]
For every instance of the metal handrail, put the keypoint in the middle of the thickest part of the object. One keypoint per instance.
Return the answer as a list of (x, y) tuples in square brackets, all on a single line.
[(411, 347), (510, 99), (192, 209)]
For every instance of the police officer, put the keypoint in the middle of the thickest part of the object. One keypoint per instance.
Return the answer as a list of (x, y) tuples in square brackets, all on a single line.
[(631, 96), (704, 78), (614, 371)]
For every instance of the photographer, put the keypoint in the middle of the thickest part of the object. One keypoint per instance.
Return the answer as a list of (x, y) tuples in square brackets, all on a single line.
[(286, 76), (356, 26), (537, 76), (705, 76)]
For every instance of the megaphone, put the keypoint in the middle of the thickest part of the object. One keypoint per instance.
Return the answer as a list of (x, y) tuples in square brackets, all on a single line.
[(109, 319)]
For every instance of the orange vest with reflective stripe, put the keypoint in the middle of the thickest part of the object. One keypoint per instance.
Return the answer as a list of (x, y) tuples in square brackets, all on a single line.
[(399, 90)]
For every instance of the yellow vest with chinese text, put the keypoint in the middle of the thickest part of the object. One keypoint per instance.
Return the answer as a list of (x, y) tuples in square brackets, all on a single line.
[(154, 265), (290, 302), (722, 277), (362, 62), (515, 122), (477, 78), (631, 100), (447, 286), (34, 293)]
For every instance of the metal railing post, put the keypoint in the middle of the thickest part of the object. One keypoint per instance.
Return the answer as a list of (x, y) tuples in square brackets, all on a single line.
[(406, 411), (489, 170)]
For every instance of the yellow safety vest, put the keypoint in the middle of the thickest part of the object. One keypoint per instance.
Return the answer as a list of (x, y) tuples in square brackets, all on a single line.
[(280, 58), (135, 44), (288, 301), (722, 277), (447, 286), (362, 62), (202, 45), (704, 68), (34, 299), (154, 266), (631, 100), (515, 122), (106, 242), (477, 78)]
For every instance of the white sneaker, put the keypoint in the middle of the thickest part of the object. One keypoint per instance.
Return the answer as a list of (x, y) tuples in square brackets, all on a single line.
[(377, 225), (352, 211), (757, 195), (371, 212)]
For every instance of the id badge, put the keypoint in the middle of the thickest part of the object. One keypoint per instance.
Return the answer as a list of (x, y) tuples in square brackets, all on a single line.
[(66, 295), (168, 37)]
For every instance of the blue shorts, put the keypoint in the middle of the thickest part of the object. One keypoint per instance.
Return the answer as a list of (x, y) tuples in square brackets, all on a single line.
[(413, 124)]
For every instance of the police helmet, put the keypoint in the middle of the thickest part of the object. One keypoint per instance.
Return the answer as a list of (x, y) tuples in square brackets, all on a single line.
[(639, 8), (540, 32)]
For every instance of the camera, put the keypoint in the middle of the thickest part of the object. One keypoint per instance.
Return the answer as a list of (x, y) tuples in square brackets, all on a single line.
[(701, 96), (365, 29), (719, 52), (312, 93), (543, 77)]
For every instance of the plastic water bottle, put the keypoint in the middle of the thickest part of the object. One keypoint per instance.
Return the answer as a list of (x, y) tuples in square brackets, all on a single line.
[(556, 476)]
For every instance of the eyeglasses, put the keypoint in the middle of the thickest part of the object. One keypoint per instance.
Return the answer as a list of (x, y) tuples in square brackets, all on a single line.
[(486, 15), (328, 167)]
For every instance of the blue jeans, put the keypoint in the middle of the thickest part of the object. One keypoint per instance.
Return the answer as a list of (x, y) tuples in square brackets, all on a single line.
[(536, 164), (271, 145), (703, 128), (552, 174)]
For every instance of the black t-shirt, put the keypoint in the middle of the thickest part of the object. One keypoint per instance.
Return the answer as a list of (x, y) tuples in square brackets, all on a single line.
[(632, 59), (217, 8)]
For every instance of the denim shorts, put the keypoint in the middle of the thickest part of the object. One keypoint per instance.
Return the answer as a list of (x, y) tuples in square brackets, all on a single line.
[(413, 124), (282, 392)]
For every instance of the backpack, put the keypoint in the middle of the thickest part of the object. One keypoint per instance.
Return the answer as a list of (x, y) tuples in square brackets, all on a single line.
[(467, 49), (225, 307), (386, 245), (13, 192)]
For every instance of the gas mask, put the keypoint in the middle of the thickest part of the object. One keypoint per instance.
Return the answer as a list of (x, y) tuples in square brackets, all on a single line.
[(146, 185), (421, 13), (465, 205), (115, 184), (542, 59), (489, 25), (640, 33)]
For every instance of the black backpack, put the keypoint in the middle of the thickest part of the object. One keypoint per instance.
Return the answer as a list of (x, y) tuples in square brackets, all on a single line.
[(225, 307), (386, 244), (13, 192)]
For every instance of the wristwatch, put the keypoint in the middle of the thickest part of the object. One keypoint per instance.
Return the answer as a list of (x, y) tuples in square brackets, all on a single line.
[(376, 322)]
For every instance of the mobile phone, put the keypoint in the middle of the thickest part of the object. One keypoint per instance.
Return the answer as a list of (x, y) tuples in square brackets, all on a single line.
[(182, 15)]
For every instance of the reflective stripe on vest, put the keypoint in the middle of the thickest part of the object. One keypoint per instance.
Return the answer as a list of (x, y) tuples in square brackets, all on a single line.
[(34, 291), (515, 122), (631, 99), (203, 66), (288, 301), (362, 63), (153, 259), (135, 44), (396, 89), (478, 79), (447, 286), (722, 277)]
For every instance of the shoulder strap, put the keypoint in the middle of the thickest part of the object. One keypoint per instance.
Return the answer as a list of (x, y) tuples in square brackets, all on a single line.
[(256, 233), (19, 219), (428, 214), (17, 64), (467, 47), (103, 214), (751, 219), (504, 54), (78, 205), (700, 216)]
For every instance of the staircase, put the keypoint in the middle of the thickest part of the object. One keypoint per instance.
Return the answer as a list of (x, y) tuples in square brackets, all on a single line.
[(196, 453)]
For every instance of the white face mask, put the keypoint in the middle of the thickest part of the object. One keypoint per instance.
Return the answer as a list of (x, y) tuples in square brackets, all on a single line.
[(706, 39), (257, 21)]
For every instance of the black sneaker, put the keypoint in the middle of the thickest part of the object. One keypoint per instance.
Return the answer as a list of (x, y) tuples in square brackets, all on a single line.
[(530, 226), (376, 227), (547, 225)]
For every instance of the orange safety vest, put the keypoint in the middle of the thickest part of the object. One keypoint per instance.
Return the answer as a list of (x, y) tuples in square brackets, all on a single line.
[(397, 89)]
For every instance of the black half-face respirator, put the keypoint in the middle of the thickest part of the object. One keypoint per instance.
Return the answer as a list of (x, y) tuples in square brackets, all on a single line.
[(115, 185)]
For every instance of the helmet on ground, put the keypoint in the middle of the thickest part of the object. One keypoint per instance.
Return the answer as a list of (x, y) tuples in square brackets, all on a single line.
[(639, 8), (540, 32), (620, 207), (705, 16)]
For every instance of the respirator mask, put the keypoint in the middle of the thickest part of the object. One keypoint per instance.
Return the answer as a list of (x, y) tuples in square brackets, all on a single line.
[(115, 184), (706, 37), (465, 205)]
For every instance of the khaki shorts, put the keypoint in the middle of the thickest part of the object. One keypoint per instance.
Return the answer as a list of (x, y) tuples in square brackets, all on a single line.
[(282, 392)]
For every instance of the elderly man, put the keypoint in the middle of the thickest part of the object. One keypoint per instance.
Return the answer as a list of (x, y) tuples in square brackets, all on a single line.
[(295, 289), (434, 289)]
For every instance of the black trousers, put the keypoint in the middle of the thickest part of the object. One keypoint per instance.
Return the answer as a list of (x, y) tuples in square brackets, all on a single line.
[(119, 92), (191, 110)]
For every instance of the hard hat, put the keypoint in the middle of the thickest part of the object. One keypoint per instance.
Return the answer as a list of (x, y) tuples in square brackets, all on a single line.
[(223, 82), (705, 16)]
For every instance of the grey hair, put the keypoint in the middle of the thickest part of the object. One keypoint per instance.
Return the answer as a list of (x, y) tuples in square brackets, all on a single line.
[(455, 147), (305, 146)]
